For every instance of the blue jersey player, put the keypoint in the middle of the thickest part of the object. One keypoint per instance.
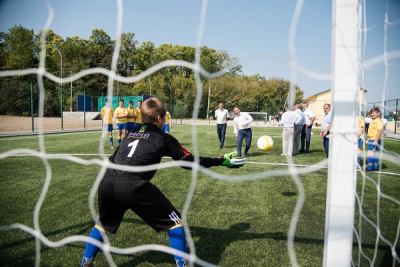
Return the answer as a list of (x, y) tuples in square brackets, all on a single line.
[(123, 190)]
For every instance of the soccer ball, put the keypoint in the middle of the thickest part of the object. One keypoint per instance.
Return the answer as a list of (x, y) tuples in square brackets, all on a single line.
[(265, 143)]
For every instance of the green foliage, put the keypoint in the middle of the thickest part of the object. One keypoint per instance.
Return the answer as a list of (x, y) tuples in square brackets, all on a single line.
[(20, 49), (232, 223)]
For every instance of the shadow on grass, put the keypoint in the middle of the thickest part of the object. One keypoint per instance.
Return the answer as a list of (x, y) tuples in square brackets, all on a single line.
[(21, 252), (289, 194), (210, 245)]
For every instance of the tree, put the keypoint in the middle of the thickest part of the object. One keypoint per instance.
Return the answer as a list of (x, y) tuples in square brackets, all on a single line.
[(127, 54), (18, 48), (101, 49)]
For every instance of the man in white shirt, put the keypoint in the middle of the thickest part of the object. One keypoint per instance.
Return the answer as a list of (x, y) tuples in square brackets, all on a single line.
[(287, 123), (222, 115), (367, 121), (306, 133), (325, 127), (384, 122), (299, 122), (242, 129)]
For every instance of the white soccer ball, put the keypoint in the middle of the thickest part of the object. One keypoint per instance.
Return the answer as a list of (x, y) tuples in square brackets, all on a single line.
[(265, 143)]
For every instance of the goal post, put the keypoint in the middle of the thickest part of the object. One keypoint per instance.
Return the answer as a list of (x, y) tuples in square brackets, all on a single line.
[(257, 117), (341, 186)]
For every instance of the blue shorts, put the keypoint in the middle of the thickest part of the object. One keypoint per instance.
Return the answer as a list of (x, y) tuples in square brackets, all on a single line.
[(165, 128), (109, 127), (130, 125), (360, 142), (122, 126), (371, 145)]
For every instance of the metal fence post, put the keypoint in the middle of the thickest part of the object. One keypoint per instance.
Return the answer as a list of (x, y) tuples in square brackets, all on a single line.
[(32, 115)]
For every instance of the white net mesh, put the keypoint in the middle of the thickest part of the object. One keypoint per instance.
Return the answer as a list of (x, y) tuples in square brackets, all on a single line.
[(362, 218)]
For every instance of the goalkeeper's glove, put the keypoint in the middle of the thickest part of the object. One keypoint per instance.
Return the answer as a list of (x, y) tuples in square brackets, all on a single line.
[(227, 160)]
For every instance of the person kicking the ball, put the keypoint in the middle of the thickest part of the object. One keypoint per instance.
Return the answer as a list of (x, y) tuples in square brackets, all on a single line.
[(122, 190), (242, 130)]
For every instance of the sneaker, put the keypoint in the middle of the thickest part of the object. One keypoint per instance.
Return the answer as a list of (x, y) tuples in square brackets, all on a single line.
[(283, 155), (111, 147)]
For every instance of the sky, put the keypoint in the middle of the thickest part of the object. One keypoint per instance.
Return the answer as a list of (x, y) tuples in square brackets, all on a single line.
[(254, 31)]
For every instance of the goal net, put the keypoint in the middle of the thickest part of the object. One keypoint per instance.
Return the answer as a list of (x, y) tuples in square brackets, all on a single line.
[(346, 219)]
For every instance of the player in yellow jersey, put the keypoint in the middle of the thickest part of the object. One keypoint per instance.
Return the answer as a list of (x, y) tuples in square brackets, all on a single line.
[(374, 140), (360, 136), (139, 114), (131, 116), (107, 113), (121, 113), (168, 123)]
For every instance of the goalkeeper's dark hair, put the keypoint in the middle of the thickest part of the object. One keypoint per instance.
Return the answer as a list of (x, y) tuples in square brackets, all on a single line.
[(151, 109)]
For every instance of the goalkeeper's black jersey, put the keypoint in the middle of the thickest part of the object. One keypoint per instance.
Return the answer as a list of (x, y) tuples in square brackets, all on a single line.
[(146, 145)]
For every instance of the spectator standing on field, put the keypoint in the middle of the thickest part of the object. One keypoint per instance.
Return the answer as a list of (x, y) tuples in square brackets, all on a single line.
[(325, 127), (168, 123), (384, 122), (287, 123), (367, 121), (306, 132), (121, 113), (299, 122), (242, 130), (374, 140), (360, 136), (131, 116), (138, 121), (120, 190), (222, 116), (107, 113)]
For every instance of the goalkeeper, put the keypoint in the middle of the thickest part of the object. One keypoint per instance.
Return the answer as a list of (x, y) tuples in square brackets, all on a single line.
[(123, 190)]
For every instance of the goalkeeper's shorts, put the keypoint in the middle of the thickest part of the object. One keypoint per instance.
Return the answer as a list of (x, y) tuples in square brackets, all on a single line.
[(118, 194)]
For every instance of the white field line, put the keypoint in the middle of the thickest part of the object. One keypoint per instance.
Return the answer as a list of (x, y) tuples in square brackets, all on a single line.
[(248, 162)]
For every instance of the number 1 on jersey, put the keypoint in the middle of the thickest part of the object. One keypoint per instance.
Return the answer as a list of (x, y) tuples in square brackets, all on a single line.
[(133, 147)]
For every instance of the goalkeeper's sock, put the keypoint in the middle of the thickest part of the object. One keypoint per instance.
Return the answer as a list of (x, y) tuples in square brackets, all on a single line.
[(177, 240), (91, 250)]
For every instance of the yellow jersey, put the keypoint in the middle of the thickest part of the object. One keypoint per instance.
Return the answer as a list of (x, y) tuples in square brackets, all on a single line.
[(360, 123), (107, 114), (121, 111), (374, 127), (131, 113), (139, 115), (167, 117)]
